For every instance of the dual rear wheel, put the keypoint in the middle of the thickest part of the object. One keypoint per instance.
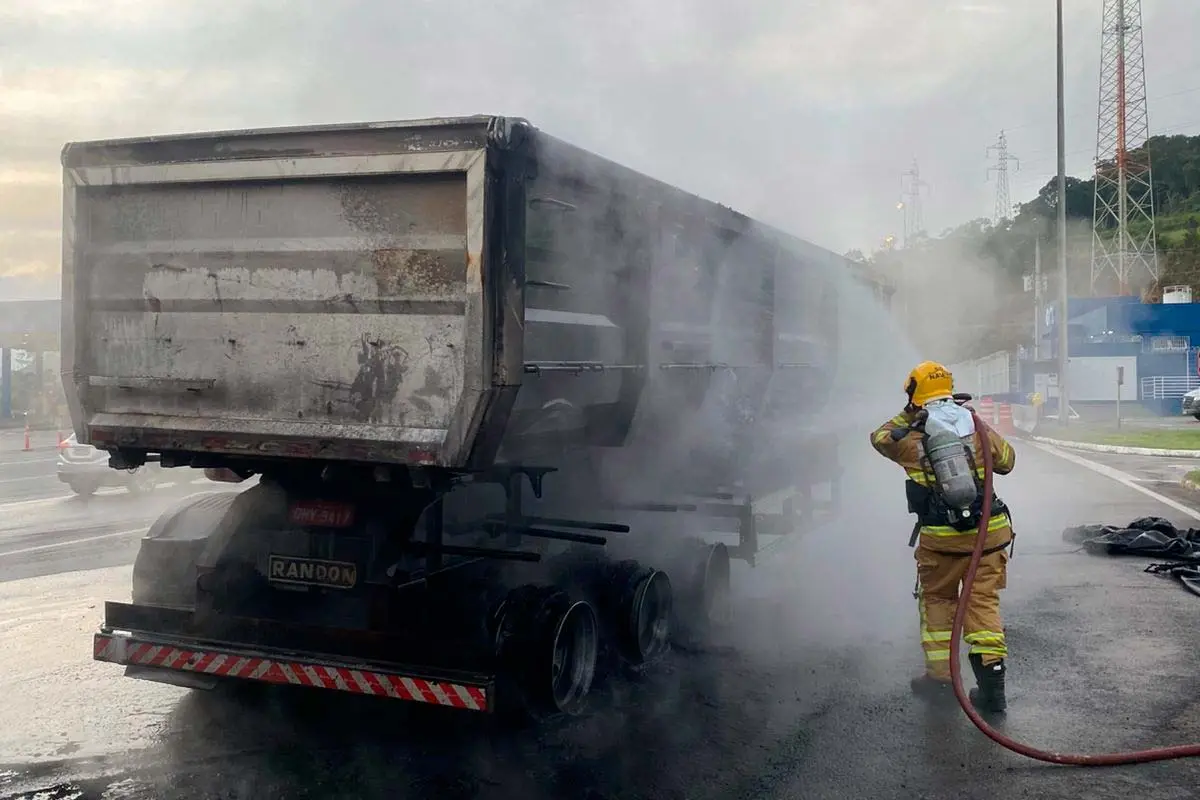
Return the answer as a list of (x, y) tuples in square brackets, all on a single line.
[(551, 648)]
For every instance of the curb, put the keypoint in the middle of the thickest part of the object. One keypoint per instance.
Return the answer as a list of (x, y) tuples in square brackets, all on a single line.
[(1118, 449)]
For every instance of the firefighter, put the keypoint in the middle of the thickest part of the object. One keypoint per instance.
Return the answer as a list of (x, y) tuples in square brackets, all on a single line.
[(943, 551)]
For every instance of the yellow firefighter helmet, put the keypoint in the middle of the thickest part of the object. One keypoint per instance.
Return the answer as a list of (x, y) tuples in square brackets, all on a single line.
[(928, 381)]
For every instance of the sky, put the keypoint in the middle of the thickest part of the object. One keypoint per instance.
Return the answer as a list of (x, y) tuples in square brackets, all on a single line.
[(803, 113)]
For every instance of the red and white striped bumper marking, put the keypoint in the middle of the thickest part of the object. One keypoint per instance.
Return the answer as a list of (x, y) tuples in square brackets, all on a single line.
[(123, 650)]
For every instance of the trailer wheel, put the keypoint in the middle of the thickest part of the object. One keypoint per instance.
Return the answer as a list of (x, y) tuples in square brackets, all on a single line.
[(643, 605), (704, 604), (715, 589), (547, 644), (573, 663)]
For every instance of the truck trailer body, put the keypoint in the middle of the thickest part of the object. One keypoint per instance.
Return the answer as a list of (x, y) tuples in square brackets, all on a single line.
[(454, 352)]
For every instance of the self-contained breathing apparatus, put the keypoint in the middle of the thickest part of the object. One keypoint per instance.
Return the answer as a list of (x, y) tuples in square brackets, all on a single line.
[(954, 496)]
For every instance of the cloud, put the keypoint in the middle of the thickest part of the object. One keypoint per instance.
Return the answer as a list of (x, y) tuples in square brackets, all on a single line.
[(803, 114), (29, 264), (41, 108), (89, 15)]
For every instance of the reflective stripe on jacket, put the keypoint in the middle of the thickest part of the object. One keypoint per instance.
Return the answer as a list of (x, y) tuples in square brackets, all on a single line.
[(909, 454)]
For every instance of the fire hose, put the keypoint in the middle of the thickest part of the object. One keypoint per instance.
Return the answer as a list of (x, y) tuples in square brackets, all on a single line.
[(1072, 759)]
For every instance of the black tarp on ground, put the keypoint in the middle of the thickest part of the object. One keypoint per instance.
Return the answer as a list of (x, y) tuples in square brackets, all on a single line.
[(1150, 537)]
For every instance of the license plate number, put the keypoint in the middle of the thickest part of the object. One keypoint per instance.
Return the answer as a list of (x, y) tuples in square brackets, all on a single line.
[(321, 514)]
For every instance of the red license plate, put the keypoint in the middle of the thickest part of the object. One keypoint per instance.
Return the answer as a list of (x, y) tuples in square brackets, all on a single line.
[(321, 514)]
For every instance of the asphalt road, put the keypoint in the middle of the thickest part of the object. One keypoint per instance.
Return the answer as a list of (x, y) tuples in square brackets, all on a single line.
[(27, 476), (810, 699), (32, 475), (56, 534)]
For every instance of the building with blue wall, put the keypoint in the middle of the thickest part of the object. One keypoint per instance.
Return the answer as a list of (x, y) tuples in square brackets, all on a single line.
[(1102, 325), (1164, 338)]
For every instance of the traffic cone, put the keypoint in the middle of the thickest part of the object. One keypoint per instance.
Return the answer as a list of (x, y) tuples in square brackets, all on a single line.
[(28, 445)]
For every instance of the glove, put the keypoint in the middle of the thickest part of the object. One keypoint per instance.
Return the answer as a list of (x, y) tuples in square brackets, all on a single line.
[(899, 433)]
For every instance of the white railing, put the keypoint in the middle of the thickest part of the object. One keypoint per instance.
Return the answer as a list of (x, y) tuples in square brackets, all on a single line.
[(1167, 344), (1165, 387), (991, 374)]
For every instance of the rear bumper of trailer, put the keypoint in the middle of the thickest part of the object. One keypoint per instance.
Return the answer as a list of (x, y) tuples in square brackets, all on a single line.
[(168, 654)]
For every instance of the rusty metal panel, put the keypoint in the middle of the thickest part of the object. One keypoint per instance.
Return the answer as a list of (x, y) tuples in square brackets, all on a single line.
[(231, 306), (462, 134)]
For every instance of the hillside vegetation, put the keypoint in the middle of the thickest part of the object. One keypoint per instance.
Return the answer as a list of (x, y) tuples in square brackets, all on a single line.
[(1004, 253)]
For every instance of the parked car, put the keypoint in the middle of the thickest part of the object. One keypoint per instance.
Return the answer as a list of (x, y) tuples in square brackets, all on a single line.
[(85, 469), (1191, 403)]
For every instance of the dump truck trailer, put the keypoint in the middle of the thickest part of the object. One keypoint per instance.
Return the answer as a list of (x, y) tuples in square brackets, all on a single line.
[(505, 408)]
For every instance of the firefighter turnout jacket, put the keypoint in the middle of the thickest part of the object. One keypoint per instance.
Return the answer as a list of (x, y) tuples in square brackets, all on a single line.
[(934, 533)]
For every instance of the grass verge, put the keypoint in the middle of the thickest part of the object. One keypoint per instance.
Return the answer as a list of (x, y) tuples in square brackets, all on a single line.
[(1192, 479), (1163, 439)]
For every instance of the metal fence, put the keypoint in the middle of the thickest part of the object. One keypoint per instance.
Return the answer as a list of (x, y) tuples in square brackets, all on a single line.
[(1167, 387), (992, 374)]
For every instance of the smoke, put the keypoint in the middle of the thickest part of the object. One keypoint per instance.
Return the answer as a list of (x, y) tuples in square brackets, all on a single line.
[(949, 294), (725, 410), (843, 585), (703, 422)]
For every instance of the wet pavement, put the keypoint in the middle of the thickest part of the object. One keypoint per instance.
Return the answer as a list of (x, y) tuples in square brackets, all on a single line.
[(52, 534), (33, 474), (29, 475), (1161, 474), (810, 699)]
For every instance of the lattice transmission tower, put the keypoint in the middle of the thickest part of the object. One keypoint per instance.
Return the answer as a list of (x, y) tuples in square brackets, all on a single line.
[(911, 185), (1123, 236), (1003, 201)]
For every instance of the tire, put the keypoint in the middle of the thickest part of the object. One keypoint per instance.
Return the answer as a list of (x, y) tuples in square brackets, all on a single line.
[(83, 488), (1197, 416)]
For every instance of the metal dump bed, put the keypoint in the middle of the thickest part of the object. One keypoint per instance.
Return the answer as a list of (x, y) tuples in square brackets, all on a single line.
[(310, 292)]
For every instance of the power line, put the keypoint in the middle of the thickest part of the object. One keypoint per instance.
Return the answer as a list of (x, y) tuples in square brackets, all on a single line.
[(1003, 202), (1183, 126), (1190, 70)]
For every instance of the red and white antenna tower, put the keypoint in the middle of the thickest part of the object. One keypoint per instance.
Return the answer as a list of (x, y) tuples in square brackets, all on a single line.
[(1123, 237)]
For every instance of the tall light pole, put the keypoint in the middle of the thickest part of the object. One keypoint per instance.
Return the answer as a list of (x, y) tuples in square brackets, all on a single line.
[(1064, 403)]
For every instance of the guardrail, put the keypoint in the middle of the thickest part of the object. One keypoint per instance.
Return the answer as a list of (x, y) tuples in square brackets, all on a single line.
[(1167, 387)]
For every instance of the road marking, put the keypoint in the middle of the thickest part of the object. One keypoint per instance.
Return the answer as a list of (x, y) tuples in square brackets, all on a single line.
[(1123, 478), (27, 478), (107, 491), (28, 461), (84, 540), (41, 501)]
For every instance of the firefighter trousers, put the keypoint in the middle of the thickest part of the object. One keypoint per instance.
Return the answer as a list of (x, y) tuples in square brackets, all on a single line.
[(939, 576)]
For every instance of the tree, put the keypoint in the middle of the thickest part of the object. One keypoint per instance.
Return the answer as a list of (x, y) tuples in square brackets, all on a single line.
[(1006, 251)]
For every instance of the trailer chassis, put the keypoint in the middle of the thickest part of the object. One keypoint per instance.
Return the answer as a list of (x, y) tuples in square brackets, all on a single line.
[(543, 643)]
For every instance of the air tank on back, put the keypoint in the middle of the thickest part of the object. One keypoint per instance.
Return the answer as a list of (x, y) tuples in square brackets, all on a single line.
[(948, 455)]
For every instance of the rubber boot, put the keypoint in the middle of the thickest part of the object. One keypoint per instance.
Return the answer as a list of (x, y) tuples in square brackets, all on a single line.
[(990, 694), (930, 688)]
